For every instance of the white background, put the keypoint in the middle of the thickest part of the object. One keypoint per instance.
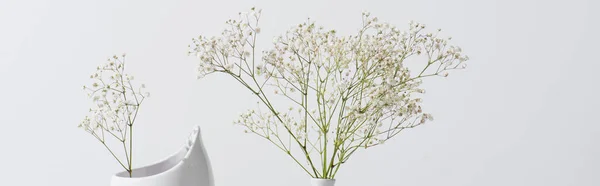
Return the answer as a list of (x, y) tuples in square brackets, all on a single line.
[(523, 113)]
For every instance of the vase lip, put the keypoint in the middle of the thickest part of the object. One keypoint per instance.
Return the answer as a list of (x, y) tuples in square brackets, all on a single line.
[(323, 179), (184, 152)]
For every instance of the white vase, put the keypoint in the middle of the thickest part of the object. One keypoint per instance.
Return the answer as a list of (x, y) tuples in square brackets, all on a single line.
[(322, 182), (189, 166)]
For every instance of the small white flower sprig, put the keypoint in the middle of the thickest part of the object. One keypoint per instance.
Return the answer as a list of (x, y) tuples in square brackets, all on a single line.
[(347, 93), (116, 105)]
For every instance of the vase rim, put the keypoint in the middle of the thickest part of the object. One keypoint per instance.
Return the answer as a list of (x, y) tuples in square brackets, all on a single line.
[(176, 160), (323, 179)]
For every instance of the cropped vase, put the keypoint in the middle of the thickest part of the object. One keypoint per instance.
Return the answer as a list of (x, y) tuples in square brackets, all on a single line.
[(322, 182), (189, 166)]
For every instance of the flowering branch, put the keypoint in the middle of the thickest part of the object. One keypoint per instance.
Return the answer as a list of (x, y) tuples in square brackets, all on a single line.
[(116, 106), (343, 93)]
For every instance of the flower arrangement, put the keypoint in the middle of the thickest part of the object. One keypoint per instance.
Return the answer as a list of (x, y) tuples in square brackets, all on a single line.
[(343, 93), (115, 109)]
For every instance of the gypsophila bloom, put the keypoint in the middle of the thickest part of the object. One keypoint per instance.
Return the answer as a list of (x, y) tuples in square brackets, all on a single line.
[(116, 102), (347, 92)]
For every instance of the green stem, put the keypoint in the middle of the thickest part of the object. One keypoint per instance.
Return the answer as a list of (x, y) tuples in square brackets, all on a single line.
[(130, 149), (325, 154), (115, 156)]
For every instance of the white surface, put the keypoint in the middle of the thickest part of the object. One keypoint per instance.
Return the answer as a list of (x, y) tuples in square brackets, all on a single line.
[(524, 112)]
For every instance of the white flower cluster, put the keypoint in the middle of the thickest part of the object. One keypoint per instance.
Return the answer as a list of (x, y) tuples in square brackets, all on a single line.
[(351, 91), (116, 100), (223, 54)]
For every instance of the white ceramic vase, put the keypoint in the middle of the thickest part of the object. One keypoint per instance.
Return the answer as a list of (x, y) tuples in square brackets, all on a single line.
[(189, 166), (322, 182)]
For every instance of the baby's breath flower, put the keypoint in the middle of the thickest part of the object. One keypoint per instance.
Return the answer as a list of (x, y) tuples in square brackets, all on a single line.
[(347, 92), (116, 105)]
